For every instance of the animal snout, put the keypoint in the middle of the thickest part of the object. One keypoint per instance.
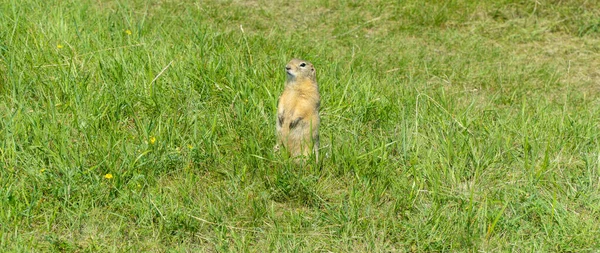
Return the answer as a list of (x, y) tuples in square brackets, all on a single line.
[(288, 68)]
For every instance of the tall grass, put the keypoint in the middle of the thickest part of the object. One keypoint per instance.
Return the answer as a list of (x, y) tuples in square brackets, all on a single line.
[(446, 126)]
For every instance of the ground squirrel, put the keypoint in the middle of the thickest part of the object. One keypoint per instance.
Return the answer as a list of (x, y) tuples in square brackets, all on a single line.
[(298, 110)]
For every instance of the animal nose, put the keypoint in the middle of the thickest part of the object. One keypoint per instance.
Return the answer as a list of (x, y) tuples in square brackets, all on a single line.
[(288, 67)]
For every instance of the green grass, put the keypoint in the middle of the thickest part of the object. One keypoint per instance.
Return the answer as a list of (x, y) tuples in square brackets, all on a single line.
[(446, 126)]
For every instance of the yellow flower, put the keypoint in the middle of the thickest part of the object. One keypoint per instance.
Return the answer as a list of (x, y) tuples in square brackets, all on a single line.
[(59, 46), (190, 146), (108, 176), (152, 140), (128, 32), (42, 170)]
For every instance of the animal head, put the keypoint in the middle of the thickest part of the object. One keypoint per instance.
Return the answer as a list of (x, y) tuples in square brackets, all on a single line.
[(299, 69)]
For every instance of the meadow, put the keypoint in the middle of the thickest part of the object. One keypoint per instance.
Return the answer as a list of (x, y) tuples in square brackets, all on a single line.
[(446, 126)]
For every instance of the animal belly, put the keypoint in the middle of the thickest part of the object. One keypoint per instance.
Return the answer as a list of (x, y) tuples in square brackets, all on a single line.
[(299, 140)]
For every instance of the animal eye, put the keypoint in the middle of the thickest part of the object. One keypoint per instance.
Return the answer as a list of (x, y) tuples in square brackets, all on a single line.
[(303, 64)]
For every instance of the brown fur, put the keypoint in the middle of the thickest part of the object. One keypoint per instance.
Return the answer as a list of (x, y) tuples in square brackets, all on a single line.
[(298, 110)]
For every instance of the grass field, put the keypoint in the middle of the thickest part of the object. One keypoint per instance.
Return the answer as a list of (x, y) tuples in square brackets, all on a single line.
[(458, 126)]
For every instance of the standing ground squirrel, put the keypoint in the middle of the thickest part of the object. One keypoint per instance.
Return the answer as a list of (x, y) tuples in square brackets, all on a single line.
[(298, 110)]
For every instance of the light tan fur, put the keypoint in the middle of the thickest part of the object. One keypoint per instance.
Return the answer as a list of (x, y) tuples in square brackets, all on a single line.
[(298, 110)]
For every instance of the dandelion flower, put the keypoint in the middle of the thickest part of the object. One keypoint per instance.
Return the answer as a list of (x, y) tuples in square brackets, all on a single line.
[(190, 146), (152, 140), (42, 170), (59, 46), (128, 32), (108, 176)]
